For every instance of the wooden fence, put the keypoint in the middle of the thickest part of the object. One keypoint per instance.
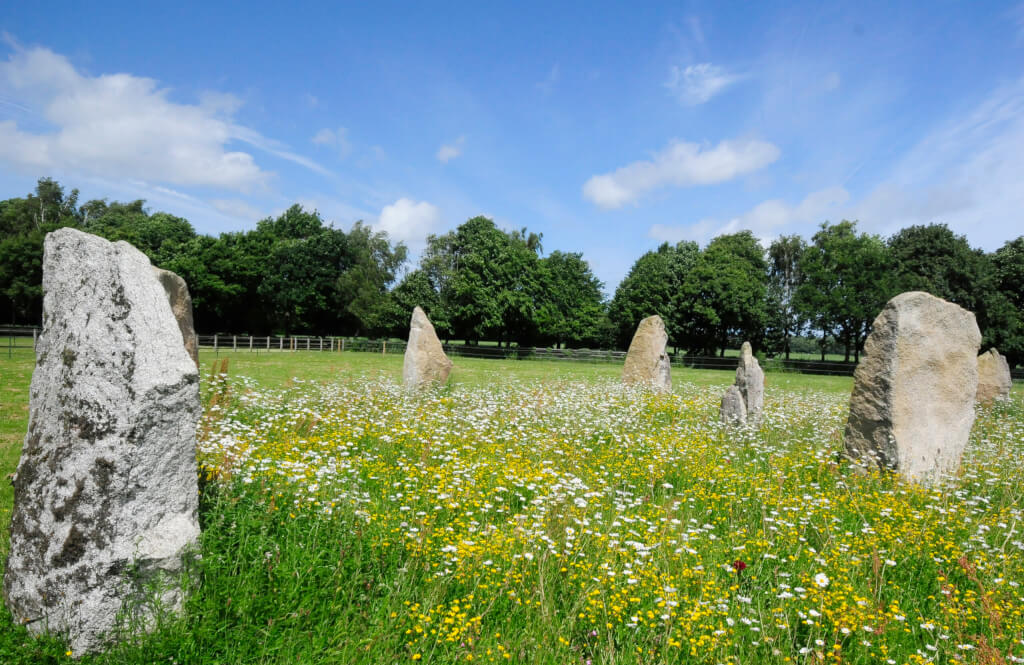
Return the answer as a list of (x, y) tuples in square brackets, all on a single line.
[(25, 338)]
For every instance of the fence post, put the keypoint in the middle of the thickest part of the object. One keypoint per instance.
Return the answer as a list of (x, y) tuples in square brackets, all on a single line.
[(215, 352), (234, 342), (342, 348), (35, 335), (250, 342), (280, 343), (321, 343), (384, 347), (307, 342), (10, 345)]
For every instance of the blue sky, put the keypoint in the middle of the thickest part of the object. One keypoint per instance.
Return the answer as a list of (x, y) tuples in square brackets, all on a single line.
[(609, 128)]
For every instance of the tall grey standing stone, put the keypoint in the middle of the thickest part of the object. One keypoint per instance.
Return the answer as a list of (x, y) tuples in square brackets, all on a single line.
[(181, 305), (750, 381), (747, 389), (733, 411), (425, 362), (105, 494), (912, 405), (994, 378), (647, 363)]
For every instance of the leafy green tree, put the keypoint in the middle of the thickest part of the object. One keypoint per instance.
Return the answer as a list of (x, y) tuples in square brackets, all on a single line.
[(724, 295), (24, 223), (934, 259), (414, 290), (1005, 301), (784, 276), (847, 279), (570, 307), (651, 287)]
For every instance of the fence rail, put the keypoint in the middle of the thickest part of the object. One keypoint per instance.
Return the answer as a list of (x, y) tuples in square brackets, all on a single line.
[(25, 338)]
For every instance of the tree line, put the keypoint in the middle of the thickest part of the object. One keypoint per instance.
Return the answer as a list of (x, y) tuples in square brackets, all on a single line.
[(295, 273)]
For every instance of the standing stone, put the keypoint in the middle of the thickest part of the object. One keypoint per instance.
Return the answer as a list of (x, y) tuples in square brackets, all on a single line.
[(733, 411), (425, 362), (748, 389), (647, 363), (912, 405), (994, 379), (750, 381), (181, 306), (105, 494)]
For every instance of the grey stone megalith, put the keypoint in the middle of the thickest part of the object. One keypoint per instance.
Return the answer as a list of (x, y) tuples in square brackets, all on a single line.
[(105, 493), (912, 405), (181, 306), (647, 363), (749, 386), (425, 362), (994, 380)]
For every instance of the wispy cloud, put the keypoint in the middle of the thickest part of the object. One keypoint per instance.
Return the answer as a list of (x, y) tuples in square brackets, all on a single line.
[(449, 151), (121, 125), (334, 138), (966, 173), (551, 80), (697, 84), (764, 219), (237, 208), (680, 164)]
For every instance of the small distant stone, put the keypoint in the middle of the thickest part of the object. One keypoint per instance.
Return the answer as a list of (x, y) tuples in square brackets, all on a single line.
[(647, 362), (994, 380), (105, 495), (912, 405), (181, 306), (733, 411), (425, 360), (748, 388)]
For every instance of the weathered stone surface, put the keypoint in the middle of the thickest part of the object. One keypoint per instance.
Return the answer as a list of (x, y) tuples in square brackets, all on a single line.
[(425, 361), (105, 494), (733, 411), (750, 381), (912, 405), (181, 306), (647, 363), (994, 379)]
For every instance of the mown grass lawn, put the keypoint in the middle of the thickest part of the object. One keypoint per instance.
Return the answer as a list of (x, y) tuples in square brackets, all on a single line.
[(540, 512)]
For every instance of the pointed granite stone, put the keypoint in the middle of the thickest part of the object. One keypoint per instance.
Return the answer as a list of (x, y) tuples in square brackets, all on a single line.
[(647, 363), (181, 306), (105, 494), (425, 361), (912, 405), (994, 379)]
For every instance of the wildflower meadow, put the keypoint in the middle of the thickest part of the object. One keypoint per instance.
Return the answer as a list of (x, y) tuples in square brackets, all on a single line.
[(555, 516)]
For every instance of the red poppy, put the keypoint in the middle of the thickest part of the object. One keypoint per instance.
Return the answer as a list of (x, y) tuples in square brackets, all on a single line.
[(738, 566)]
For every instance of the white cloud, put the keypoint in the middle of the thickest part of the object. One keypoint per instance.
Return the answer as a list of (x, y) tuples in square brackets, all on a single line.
[(119, 125), (450, 151), (966, 174), (237, 208), (337, 139), (680, 164), (409, 221), (763, 220), (697, 84)]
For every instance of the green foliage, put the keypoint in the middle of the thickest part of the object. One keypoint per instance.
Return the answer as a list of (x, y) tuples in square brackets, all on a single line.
[(784, 277), (571, 309), (847, 279), (651, 287), (724, 295)]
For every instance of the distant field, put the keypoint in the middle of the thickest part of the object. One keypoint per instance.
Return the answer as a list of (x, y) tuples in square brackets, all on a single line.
[(537, 511)]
